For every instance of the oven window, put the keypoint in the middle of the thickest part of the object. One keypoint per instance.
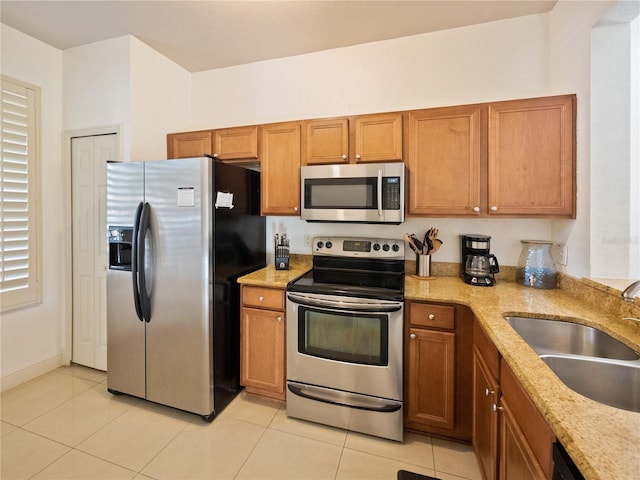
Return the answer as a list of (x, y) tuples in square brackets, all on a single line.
[(356, 193), (352, 338)]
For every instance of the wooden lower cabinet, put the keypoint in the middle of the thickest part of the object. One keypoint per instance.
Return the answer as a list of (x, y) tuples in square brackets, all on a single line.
[(485, 418), (517, 460), (438, 369), (432, 370), (262, 341), (511, 439)]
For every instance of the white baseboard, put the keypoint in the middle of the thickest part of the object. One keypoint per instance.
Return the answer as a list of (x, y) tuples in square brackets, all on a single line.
[(31, 372)]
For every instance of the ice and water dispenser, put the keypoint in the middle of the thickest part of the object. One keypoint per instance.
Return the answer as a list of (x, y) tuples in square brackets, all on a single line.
[(120, 239)]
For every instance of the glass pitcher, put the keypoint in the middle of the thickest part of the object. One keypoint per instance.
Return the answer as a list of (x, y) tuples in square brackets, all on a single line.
[(536, 267)]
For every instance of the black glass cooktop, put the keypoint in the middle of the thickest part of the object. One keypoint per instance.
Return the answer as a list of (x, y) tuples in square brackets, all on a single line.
[(353, 278)]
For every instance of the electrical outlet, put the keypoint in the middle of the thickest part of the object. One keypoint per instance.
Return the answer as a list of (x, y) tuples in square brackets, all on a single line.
[(308, 239), (563, 252)]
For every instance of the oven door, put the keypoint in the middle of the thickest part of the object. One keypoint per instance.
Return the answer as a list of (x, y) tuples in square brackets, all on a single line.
[(347, 344)]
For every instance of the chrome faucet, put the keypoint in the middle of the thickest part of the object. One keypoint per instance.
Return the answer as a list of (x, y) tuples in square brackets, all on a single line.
[(631, 291)]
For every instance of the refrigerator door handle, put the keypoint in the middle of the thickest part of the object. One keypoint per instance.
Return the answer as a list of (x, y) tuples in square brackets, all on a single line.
[(145, 301), (134, 261)]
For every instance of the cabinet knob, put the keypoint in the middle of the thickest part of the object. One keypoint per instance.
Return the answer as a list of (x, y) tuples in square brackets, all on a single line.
[(295, 209), (279, 318), (412, 336), (496, 408), (358, 156), (215, 155), (260, 298), (344, 156), (431, 316), (488, 392), (476, 209), (494, 208)]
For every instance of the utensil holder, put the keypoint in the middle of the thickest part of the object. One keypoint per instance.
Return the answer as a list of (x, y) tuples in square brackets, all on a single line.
[(423, 265)]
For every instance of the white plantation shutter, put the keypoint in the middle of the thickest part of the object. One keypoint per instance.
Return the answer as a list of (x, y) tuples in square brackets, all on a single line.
[(19, 227)]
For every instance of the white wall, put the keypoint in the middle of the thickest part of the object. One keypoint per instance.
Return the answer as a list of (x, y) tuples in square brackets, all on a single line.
[(531, 56), (160, 101), (500, 60), (96, 87), (32, 338), (615, 162), (122, 81), (571, 23)]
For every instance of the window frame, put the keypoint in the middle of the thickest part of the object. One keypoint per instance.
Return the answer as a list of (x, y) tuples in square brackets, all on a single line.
[(32, 293)]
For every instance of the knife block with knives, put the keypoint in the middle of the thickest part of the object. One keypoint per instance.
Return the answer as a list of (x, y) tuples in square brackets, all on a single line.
[(282, 252)]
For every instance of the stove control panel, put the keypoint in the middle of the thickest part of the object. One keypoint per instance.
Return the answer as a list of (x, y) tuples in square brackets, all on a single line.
[(364, 247)]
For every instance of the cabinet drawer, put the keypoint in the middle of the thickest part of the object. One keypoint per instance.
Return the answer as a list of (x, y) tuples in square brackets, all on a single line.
[(433, 316), (271, 298)]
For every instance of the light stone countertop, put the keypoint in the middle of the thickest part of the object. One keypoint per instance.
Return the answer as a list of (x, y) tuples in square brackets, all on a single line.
[(603, 441)]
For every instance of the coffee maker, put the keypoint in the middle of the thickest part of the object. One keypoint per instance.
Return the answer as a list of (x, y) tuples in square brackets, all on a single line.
[(477, 265)]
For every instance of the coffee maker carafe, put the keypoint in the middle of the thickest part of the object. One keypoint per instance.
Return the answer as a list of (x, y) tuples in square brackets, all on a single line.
[(477, 265)]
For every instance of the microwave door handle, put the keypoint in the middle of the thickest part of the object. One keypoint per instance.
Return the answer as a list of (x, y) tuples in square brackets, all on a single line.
[(379, 192)]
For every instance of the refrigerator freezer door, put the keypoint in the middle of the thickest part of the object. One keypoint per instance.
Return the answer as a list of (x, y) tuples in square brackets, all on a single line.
[(125, 332), (178, 276)]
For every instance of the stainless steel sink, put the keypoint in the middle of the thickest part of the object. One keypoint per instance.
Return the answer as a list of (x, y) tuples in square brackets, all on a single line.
[(556, 336), (587, 360), (610, 382)]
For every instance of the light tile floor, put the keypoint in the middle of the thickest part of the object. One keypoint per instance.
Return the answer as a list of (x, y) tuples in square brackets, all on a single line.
[(65, 425)]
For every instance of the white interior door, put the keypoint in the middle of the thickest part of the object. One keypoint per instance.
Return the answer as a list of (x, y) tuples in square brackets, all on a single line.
[(89, 157)]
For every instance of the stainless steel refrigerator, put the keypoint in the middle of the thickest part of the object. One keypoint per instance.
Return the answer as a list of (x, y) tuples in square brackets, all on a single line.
[(180, 233)]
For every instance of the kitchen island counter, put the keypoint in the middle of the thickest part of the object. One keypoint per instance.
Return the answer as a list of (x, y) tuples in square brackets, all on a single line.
[(603, 441)]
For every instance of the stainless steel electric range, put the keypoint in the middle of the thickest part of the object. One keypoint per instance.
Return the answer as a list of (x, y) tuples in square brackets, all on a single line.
[(344, 336)]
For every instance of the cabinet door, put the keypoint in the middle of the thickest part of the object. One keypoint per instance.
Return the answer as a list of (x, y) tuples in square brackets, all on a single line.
[(280, 165), (516, 457), (326, 142), (431, 377), (378, 138), (240, 143), (444, 161), (262, 334), (531, 160), (485, 418), (189, 144)]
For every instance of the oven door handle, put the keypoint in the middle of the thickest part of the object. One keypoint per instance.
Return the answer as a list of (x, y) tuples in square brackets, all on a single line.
[(375, 405), (345, 305)]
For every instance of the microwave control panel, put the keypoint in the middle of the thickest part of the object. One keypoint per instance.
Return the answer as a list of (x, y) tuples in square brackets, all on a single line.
[(391, 193)]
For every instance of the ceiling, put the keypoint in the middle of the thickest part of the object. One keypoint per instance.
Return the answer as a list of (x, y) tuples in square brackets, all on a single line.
[(203, 35)]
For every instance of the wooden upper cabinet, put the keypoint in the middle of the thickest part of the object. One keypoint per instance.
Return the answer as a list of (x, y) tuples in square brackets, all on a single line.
[(280, 167), (444, 161), (240, 143), (364, 138), (531, 157), (326, 141), (189, 144), (378, 138)]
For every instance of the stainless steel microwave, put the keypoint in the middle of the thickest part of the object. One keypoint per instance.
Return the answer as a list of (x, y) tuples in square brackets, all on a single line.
[(366, 193)]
